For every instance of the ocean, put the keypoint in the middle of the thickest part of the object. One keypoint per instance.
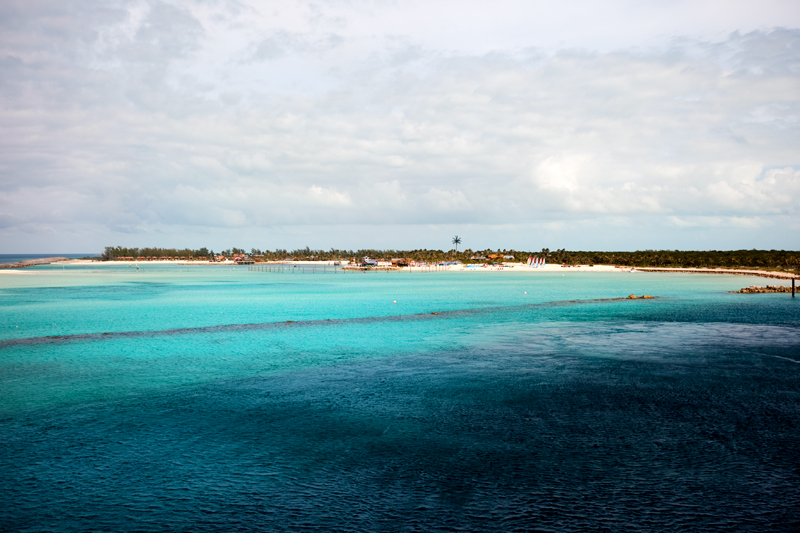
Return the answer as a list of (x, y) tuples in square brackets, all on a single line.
[(215, 398)]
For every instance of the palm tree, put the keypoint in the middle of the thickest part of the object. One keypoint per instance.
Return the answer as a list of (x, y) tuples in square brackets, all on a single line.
[(456, 241)]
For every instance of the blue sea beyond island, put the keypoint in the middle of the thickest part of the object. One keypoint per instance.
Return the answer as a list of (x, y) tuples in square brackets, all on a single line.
[(214, 398)]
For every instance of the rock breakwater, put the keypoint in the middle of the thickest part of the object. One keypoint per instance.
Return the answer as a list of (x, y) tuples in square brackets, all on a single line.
[(756, 289), (34, 262)]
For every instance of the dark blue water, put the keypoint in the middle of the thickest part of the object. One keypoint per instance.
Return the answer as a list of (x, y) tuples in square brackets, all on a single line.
[(681, 413)]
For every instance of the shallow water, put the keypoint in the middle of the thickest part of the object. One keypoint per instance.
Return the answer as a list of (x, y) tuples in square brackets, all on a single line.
[(210, 398)]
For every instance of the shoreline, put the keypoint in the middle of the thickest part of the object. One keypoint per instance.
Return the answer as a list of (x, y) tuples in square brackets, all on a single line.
[(729, 271), (507, 267)]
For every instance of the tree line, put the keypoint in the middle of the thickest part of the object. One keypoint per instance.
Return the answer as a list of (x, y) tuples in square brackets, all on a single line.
[(115, 252), (773, 259)]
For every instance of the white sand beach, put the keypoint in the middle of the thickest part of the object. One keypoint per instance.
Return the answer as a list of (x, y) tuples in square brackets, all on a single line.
[(521, 267), (504, 267)]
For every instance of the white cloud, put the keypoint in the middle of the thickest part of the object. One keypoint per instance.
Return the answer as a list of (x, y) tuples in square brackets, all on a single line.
[(446, 201), (718, 222), (328, 197), (186, 116)]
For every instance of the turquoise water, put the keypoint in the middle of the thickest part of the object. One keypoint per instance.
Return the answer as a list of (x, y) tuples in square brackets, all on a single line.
[(211, 397)]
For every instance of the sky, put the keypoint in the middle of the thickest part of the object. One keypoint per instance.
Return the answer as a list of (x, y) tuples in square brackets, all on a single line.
[(615, 125)]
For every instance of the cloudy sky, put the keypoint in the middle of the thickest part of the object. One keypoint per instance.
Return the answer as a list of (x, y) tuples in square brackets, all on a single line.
[(614, 125)]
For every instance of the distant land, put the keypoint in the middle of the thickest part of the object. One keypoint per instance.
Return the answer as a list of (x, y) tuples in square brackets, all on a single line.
[(780, 260)]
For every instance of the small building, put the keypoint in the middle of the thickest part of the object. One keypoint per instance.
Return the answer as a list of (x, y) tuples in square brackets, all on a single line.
[(400, 262)]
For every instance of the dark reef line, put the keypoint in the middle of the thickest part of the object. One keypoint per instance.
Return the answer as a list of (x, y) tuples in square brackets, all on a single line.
[(28, 341)]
